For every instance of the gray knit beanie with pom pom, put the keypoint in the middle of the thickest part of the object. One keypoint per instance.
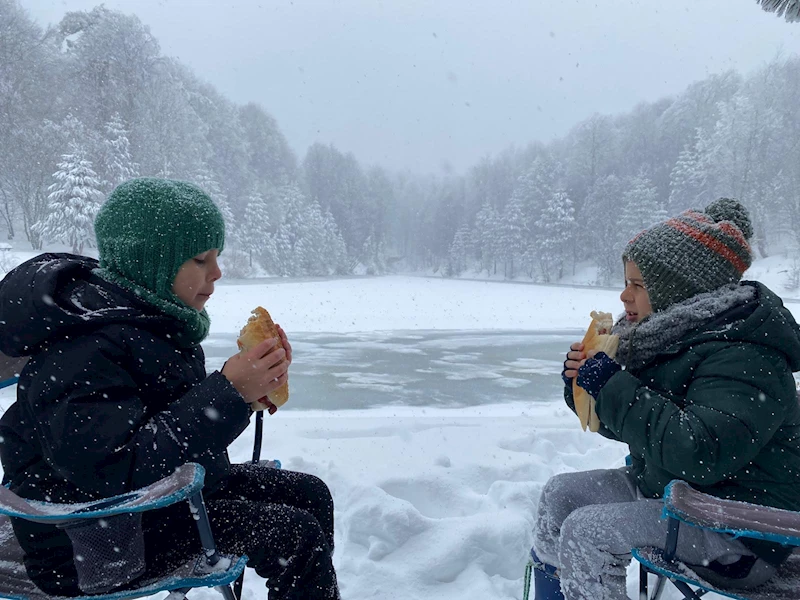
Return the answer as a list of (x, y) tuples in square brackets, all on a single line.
[(693, 253)]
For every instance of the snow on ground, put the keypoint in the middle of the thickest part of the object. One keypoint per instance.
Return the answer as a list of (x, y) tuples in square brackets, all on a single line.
[(431, 503), (407, 303)]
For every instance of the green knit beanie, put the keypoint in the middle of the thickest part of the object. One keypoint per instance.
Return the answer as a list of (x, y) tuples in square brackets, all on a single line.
[(693, 253), (146, 230)]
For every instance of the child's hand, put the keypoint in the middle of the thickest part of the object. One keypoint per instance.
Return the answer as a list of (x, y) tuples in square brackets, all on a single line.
[(261, 370), (596, 371), (575, 359), (286, 345)]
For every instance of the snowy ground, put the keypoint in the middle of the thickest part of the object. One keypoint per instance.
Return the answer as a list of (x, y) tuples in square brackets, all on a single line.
[(434, 500)]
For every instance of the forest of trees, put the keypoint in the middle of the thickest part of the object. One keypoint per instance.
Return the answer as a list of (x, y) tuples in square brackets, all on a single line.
[(92, 101)]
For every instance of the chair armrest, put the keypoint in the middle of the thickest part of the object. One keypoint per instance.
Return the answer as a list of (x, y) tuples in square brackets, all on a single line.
[(184, 482), (740, 519)]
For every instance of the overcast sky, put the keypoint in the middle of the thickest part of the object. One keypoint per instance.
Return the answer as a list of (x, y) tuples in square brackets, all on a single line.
[(423, 83)]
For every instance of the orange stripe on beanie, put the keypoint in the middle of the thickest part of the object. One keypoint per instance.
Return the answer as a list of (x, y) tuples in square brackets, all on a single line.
[(712, 243)]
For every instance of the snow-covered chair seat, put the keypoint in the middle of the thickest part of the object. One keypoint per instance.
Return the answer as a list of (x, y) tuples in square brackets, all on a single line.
[(208, 570), (684, 504)]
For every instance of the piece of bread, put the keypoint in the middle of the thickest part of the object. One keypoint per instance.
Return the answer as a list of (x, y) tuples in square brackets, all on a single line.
[(259, 327), (598, 337)]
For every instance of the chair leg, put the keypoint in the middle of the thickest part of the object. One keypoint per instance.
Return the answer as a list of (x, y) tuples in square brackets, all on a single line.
[(198, 510), (661, 585), (684, 588), (227, 592), (642, 582), (238, 585)]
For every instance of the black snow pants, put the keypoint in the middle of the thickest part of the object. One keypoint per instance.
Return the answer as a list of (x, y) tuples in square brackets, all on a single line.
[(282, 520)]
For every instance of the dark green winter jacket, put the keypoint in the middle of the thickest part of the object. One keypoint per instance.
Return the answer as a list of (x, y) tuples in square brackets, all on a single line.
[(718, 408)]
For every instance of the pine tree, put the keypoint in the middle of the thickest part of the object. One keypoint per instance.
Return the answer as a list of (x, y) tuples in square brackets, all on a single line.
[(640, 206), (73, 202), (556, 229), (313, 248), (687, 183), (603, 203), (255, 235), (119, 165), (487, 234), (460, 249), (307, 241), (533, 190), (336, 249), (511, 243), (290, 231), (206, 181)]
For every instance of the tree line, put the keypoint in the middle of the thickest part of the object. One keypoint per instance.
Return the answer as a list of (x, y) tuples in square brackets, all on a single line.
[(91, 101)]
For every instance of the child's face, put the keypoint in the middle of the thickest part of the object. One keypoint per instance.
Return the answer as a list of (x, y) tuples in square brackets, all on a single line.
[(194, 282), (635, 296)]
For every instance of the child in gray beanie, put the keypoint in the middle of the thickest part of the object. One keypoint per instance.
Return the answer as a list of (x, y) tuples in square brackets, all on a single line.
[(701, 390)]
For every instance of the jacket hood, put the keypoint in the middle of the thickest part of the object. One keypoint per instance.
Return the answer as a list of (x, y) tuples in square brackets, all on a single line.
[(765, 321), (53, 296)]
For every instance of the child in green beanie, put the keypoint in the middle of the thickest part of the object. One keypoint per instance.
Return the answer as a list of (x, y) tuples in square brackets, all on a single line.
[(115, 396), (701, 390)]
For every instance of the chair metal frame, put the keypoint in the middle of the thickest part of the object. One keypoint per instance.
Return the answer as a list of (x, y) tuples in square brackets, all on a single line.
[(683, 504), (220, 571), (211, 569)]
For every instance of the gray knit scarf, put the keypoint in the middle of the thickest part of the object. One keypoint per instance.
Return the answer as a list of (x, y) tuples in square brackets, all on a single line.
[(640, 342)]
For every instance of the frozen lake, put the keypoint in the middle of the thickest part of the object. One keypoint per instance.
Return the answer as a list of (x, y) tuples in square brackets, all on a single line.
[(332, 371)]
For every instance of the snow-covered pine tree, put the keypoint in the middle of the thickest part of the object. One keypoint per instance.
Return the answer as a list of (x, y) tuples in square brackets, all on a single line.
[(788, 9), (533, 190), (742, 158), (255, 234), (289, 231), (513, 234), (460, 249), (604, 204), (313, 247), (301, 247), (73, 202), (206, 181), (487, 233), (687, 183), (556, 228), (336, 249), (640, 206), (119, 165), (372, 253)]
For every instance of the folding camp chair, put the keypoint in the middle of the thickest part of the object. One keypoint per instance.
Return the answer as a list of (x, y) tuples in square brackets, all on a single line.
[(683, 504), (209, 569)]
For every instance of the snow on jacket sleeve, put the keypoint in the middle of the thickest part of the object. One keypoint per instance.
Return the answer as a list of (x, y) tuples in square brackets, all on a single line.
[(95, 432), (733, 405)]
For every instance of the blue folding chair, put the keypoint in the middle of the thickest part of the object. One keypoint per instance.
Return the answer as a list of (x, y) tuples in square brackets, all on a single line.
[(683, 504), (209, 569)]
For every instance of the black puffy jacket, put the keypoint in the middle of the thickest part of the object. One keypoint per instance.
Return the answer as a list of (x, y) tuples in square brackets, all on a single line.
[(109, 401)]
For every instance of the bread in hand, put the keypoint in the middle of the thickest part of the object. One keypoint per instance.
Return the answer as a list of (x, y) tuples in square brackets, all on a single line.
[(259, 327), (598, 337)]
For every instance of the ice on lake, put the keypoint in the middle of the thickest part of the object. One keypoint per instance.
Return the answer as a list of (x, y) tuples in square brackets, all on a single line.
[(420, 368)]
